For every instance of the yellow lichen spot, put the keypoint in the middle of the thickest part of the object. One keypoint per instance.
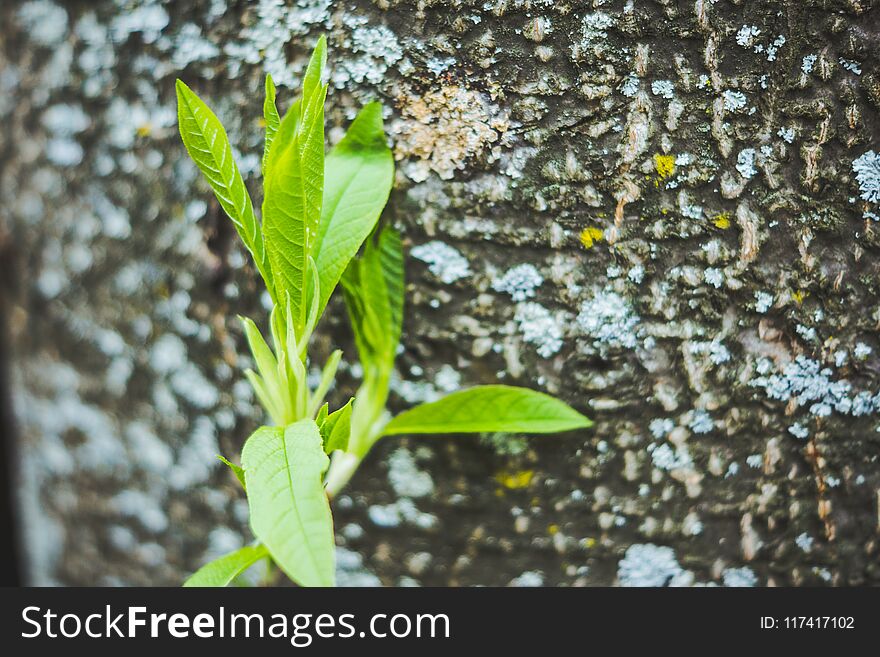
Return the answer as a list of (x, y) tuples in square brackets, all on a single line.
[(515, 480), (799, 296), (722, 220), (589, 542), (144, 130), (664, 165), (591, 235), (553, 530)]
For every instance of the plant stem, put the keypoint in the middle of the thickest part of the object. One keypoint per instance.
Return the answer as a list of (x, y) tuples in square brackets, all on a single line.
[(342, 467)]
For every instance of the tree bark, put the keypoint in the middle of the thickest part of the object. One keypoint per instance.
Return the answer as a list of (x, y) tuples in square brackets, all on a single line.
[(663, 212)]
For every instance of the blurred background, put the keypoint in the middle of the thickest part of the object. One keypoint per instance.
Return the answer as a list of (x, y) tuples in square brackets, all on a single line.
[(663, 212)]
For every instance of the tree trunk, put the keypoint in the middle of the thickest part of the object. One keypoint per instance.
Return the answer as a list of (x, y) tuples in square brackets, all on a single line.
[(663, 212)]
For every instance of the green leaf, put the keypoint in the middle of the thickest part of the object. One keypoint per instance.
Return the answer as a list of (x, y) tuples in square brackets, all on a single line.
[(328, 374), (208, 146), (222, 571), (391, 258), (267, 386), (323, 412), (236, 470), (270, 115), (294, 183), (374, 308), (489, 408), (336, 428), (289, 510), (358, 174)]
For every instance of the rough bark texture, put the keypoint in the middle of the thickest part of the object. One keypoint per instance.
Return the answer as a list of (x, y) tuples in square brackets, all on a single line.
[(688, 190)]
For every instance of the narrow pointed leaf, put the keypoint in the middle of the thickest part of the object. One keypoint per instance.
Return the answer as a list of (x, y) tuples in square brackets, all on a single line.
[(236, 470), (294, 183), (328, 375), (336, 428), (359, 172), (289, 510), (489, 408), (222, 571), (271, 117), (261, 352), (391, 258), (208, 146)]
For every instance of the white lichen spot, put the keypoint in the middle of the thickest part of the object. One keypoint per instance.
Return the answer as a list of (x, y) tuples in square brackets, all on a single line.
[(539, 327), (64, 152), (444, 261), (528, 579), (774, 47), (651, 565), (739, 577), (734, 101), (745, 163), (373, 48), (763, 301), (44, 22), (143, 507), (665, 457), (807, 382), (660, 427), (636, 274), (191, 46), (807, 63), (405, 477), (714, 349), (265, 41), (861, 351), (714, 277), (851, 66), (609, 320), (787, 134), (595, 27), (630, 85), (747, 35), (663, 88), (804, 541), (438, 65), (867, 170), (65, 120), (701, 422), (519, 282), (402, 511), (147, 18), (799, 431)]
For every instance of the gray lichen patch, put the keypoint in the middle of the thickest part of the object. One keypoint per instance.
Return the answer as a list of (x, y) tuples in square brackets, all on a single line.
[(675, 230)]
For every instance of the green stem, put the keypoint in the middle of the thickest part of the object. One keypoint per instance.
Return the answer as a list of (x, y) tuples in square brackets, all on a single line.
[(342, 467)]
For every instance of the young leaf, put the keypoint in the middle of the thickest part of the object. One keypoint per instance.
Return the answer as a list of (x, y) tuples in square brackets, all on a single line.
[(489, 408), (391, 258), (328, 374), (236, 470), (267, 386), (270, 115), (289, 510), (294, 185), (336, 428), (208, 146), (373, 309), (359, 172), (322, 414), (222, 571)]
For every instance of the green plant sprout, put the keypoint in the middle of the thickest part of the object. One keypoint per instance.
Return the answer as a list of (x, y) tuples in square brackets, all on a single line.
[(319, 211)]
